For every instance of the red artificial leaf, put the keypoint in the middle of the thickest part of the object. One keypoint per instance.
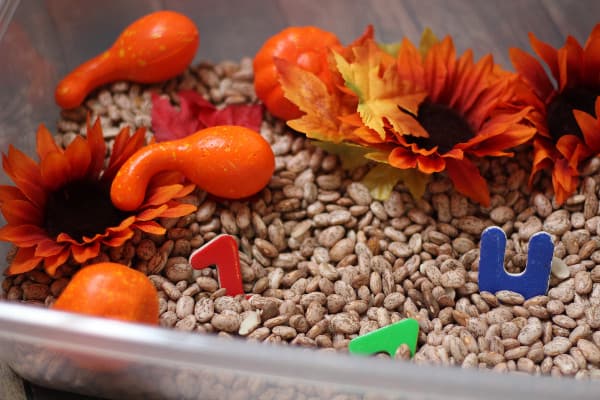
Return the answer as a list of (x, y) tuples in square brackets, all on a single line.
[(196, 113), (169, 124), (249, 116)]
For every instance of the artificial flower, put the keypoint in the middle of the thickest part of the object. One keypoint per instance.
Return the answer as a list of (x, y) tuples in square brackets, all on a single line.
[(563, 108), (61, 206), (421, 110)]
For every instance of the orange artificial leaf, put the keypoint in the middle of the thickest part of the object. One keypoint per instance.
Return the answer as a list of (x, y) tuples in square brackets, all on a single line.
[(310, 94), (383, 96)]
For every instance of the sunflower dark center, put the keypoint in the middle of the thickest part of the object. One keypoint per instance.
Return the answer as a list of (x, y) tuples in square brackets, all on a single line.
[(81, 208), (560, 119), (445, 126)]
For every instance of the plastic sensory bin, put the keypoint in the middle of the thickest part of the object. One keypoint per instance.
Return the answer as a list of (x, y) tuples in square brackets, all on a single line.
[(118, 360)]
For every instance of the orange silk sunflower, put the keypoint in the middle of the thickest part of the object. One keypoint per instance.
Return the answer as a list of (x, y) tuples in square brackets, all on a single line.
[(464, 115), (564, 107), (61, 207), (417, 110)]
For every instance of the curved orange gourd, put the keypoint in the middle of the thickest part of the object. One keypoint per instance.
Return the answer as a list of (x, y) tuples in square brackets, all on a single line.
[(305, 46), (228, 161), (154, 48), (111, 290)]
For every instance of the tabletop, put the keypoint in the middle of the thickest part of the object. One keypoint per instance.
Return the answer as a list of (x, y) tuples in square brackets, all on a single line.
[(67, 32)]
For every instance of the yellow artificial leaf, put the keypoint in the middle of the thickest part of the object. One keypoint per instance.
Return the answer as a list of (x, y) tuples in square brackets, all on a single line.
[(310, 94), (352, 156), (382, 179), (428, 39), (378, 156), (416, 182), (382, 95)]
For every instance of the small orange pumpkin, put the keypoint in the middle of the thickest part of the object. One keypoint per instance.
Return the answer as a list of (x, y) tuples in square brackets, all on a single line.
[(111, 290), (305, 46)]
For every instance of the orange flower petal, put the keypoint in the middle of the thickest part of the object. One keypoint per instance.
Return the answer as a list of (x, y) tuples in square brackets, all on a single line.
[(97, 147), (409, 65), (151, 213), (573, 54), (590, 128), (48, 247), (532, 71), (187, 189), (467, 180), (402, 158), (10, 193), (542, 158), (22, 235), (179, 211), (55, 171), (25, 174), (24, 261), (126, 147), (591, 59), (162, 194), (83, 253), (567, 144), (436, 67), (78, 157), (119, 238), (51, 264), (546, 53), (19, 212), (563, 180), (166, 178), (150, 227), (495, 145), (431, 164), (45, 143), (474, 84)]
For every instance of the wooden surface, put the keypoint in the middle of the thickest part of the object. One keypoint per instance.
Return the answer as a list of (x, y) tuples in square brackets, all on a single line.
[(64, 33)]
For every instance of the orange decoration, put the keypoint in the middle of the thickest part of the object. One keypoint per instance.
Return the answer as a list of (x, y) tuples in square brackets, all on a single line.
[(111, 290), (306, 47), (227, 161), (154, 48)]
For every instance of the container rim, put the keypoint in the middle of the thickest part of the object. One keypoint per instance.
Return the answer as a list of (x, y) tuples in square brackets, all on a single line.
[(161, 346)]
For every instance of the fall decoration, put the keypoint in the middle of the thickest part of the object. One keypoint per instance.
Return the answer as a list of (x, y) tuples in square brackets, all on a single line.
[(227, 161), (154, 48), (564, 112), (110, 290), (60, 207), (197, 113), (304, 46), (417, 110)]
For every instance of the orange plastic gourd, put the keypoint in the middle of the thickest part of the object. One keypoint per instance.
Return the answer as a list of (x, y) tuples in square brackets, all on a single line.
[(228, 161), (154, 48)]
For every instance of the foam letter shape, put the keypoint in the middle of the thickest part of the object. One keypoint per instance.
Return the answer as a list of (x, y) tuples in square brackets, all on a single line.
[(221, 251), (387, 339), (533, 281)]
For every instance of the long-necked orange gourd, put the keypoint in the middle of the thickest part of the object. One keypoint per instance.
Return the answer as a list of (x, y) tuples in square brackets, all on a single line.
[(156, 47), (227, 161)]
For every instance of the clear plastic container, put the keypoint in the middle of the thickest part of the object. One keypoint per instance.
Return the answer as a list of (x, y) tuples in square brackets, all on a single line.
[(111, 359)]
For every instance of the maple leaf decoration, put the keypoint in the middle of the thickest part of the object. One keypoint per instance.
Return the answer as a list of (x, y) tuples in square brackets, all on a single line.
[(196, 113)]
